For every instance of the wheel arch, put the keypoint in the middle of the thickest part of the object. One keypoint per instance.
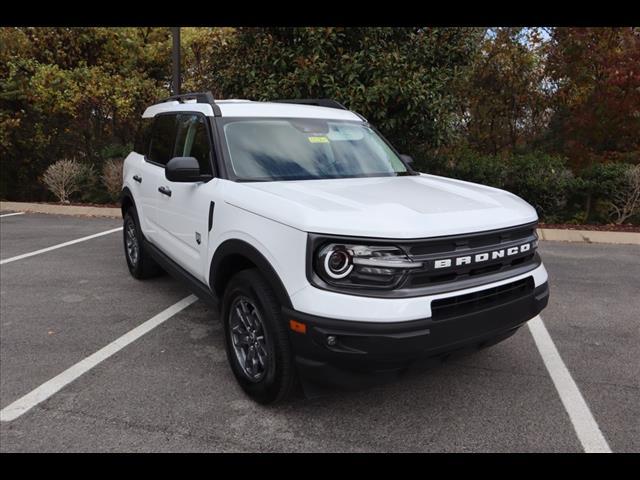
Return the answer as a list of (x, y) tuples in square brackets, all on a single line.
[(235, 255), (126, 201)]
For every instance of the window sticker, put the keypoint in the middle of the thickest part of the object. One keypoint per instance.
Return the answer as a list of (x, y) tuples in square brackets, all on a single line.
[(318, 139)]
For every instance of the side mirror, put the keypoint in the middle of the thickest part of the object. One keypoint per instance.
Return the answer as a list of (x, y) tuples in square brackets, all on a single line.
[(408, 159), (184, 169)]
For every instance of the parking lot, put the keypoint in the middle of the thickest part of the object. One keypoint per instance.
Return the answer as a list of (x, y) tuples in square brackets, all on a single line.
[(170, 389)]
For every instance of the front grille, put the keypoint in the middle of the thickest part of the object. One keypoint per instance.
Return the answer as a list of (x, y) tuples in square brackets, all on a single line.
[(472, 302), (429, 251), (471, 241)]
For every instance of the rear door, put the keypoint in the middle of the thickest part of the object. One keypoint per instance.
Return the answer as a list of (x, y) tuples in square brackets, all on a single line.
[(183, 216), (161, 146)]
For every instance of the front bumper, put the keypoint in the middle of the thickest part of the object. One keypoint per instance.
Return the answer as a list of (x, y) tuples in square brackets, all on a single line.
[(366, 350)]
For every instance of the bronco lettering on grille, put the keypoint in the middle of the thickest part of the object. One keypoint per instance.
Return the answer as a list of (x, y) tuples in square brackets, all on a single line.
[(481, 257)]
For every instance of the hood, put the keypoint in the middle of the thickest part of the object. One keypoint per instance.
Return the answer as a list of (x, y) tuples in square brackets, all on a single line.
[(386, 207)]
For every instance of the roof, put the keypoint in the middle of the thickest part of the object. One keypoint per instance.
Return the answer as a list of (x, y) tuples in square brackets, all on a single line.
[(248, 108)]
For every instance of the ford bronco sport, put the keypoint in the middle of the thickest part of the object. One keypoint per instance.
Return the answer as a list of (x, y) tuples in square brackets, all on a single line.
[(327, 255)]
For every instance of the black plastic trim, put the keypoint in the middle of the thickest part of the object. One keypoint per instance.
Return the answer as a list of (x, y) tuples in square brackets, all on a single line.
[(165, 191), (375, 349), (247, 251), (200, 97), (212, 205), (218, 143), (196, 286), (126, 195)]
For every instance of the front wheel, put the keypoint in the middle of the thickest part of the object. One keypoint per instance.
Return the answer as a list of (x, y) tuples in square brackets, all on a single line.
[(257, 341)]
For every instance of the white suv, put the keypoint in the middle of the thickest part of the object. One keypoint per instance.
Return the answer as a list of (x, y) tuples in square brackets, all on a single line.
[(328, 257)]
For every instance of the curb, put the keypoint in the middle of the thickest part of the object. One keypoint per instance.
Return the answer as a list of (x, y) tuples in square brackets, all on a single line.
[(589, 236), (551, 234), (108, 212)]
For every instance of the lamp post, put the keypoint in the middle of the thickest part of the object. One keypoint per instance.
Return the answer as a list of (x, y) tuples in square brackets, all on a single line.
[(175, 33)]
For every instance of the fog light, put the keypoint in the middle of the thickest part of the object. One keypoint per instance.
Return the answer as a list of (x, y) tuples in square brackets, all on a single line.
[(332, 340)]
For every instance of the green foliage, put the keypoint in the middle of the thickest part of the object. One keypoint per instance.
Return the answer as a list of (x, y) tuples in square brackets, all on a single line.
[(602, 182), (544, 181), (72, 92), (506, 94), (470, 165), (398, 78), (514, 108)]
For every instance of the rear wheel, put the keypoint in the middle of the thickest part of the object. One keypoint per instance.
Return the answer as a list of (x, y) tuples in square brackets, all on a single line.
[(140, 263), (257, 341)]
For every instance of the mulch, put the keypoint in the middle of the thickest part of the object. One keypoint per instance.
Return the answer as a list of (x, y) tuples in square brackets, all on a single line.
[(603, 228), (75, 204)]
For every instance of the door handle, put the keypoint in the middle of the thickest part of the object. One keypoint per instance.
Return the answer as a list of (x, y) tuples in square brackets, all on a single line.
[(165, 191), (137, 178)]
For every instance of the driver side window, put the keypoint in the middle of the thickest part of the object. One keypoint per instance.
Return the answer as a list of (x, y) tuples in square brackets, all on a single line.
[(192, 140)]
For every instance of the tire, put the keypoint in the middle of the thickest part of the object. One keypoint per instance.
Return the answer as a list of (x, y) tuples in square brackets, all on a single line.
[(272, 377), (140, 263)]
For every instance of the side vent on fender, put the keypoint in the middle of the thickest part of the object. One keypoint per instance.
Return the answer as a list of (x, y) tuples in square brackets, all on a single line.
[(211, 207)]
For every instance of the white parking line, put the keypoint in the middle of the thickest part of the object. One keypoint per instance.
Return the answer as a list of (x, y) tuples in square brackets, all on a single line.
[(49, 388), (581, 417), (11, 214), (60, 245)]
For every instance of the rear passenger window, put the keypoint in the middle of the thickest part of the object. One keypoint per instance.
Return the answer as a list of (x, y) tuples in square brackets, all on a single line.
[(143, 136), (163, 137), (193, 140)]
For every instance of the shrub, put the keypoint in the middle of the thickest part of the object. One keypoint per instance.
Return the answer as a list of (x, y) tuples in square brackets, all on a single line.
[(92, 190), (471, 166), (624, 203), (64, 178), (112, 177), (605, 185), (544, 181)]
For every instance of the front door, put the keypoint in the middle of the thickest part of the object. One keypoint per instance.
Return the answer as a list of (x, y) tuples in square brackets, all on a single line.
[(183, 207)]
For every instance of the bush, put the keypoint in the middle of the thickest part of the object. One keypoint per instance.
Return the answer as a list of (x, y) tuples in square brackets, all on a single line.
[(112, 177), (603, 182), (471, 166), (624, 202), (545, 182), (64, 178)]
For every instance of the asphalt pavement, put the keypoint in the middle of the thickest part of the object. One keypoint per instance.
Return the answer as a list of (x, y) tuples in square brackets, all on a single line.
[(172, 389)]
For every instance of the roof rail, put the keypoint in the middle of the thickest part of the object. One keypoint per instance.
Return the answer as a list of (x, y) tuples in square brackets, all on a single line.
[(320, 102), (199, 97)]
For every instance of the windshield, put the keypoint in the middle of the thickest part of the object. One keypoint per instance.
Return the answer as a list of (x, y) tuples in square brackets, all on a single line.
[(302, 149)]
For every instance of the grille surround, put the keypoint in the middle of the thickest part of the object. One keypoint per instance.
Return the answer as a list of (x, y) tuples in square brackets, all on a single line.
[(429, 281)]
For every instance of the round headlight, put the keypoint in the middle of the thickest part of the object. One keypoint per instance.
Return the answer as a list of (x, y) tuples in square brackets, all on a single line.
[(337, 263)]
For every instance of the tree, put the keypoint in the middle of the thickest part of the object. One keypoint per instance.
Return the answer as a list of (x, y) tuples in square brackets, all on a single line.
[(596, 74), (71, 92), (507, 104), (398, 78)]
